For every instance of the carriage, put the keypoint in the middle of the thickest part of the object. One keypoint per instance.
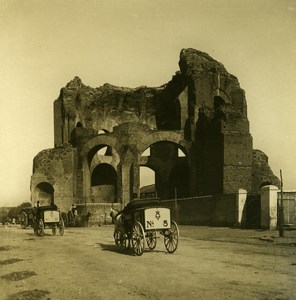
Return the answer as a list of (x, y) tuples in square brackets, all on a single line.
[(141, 222), (27, 216), (48, 217)]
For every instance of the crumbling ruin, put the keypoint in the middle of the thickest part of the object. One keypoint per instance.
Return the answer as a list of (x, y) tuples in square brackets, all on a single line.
[(100, 135)]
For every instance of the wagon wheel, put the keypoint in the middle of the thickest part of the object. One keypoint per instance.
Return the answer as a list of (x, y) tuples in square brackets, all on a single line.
[(61, 226), (120, 238), (138, 238), (171, 238), (54, 230), (65, 219), (151, 239), (40, 228), (24, 220)]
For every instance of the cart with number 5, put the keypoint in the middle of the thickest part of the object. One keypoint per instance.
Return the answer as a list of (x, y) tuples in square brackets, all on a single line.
[(142, 222), (48, 217)]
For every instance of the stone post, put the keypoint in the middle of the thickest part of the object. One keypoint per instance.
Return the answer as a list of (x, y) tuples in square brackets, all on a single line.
[(241, 198), (125, 174), (136, 179), (86, 182), (268, 195)]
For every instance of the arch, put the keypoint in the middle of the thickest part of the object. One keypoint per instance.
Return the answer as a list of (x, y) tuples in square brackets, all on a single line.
[(103, 131), (165, 136), (99, 142), (146, 152), (181, 153), (79, 125), (99, 150), (104, 183), (44, 193), (170, 164), (147, 182), (88, 153)]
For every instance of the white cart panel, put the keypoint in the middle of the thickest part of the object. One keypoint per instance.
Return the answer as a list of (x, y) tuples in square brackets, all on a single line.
[(157, 218), (51, 216)]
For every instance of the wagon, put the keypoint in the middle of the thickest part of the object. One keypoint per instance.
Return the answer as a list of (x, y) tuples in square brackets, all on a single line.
[(141, 222), (27, 216), (48, 217)]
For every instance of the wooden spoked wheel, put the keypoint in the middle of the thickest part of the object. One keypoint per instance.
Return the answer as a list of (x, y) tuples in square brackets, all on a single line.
[(40, 228), (120, 238), (61, 226), (138, 238), (171, 237), (24, 220), (151, 239)]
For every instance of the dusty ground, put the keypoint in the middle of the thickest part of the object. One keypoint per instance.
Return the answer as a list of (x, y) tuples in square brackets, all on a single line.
[(210, 263)]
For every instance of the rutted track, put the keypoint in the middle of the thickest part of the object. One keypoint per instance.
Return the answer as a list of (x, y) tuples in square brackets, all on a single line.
[(85, 264)]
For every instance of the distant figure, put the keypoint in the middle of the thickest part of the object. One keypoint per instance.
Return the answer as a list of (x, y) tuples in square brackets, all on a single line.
[(86, 219), (53, 205), (73, 209), (37, 210), (71, 215)]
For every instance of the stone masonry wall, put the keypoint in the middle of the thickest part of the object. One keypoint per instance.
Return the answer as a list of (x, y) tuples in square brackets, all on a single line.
[(55, 167), (201, 111)]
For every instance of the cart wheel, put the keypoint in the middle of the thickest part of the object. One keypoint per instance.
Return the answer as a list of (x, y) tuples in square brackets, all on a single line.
[(138, 238), (120, 238), (151, 239), (65, 219), (24, 220), (61, 226), (40, 228), (54, 230), (171, 238)]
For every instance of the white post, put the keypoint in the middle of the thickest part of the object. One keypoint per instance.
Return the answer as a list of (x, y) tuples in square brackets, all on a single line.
[(241, 198), (269, 207)]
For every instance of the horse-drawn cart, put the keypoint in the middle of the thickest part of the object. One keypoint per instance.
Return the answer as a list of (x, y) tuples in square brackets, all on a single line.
[(141, 222), (27, 216), (48, 217)]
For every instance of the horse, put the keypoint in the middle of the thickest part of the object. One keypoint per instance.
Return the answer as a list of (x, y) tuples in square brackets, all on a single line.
[(117, 220)]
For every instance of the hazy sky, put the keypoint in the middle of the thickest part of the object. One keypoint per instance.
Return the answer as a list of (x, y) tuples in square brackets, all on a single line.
[(44, 44)]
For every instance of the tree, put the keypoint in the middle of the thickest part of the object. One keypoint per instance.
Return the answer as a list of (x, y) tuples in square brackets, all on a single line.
[(15, 211)]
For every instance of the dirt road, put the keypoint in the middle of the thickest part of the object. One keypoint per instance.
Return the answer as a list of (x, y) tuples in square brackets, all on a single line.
[(210, 263)]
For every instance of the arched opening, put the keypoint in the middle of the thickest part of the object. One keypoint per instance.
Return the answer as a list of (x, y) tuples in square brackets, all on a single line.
[(103, 131), (105, 151), (104, 183), (79, 125), (181, 153), (165, 171), (147, 182), (98, 150), (146, 152), (44, 193)]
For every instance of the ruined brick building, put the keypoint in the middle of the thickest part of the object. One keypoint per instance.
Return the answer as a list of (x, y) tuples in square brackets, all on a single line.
[(202, 111)]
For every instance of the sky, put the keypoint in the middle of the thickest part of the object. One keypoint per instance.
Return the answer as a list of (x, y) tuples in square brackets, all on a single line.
[(45, 44)]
